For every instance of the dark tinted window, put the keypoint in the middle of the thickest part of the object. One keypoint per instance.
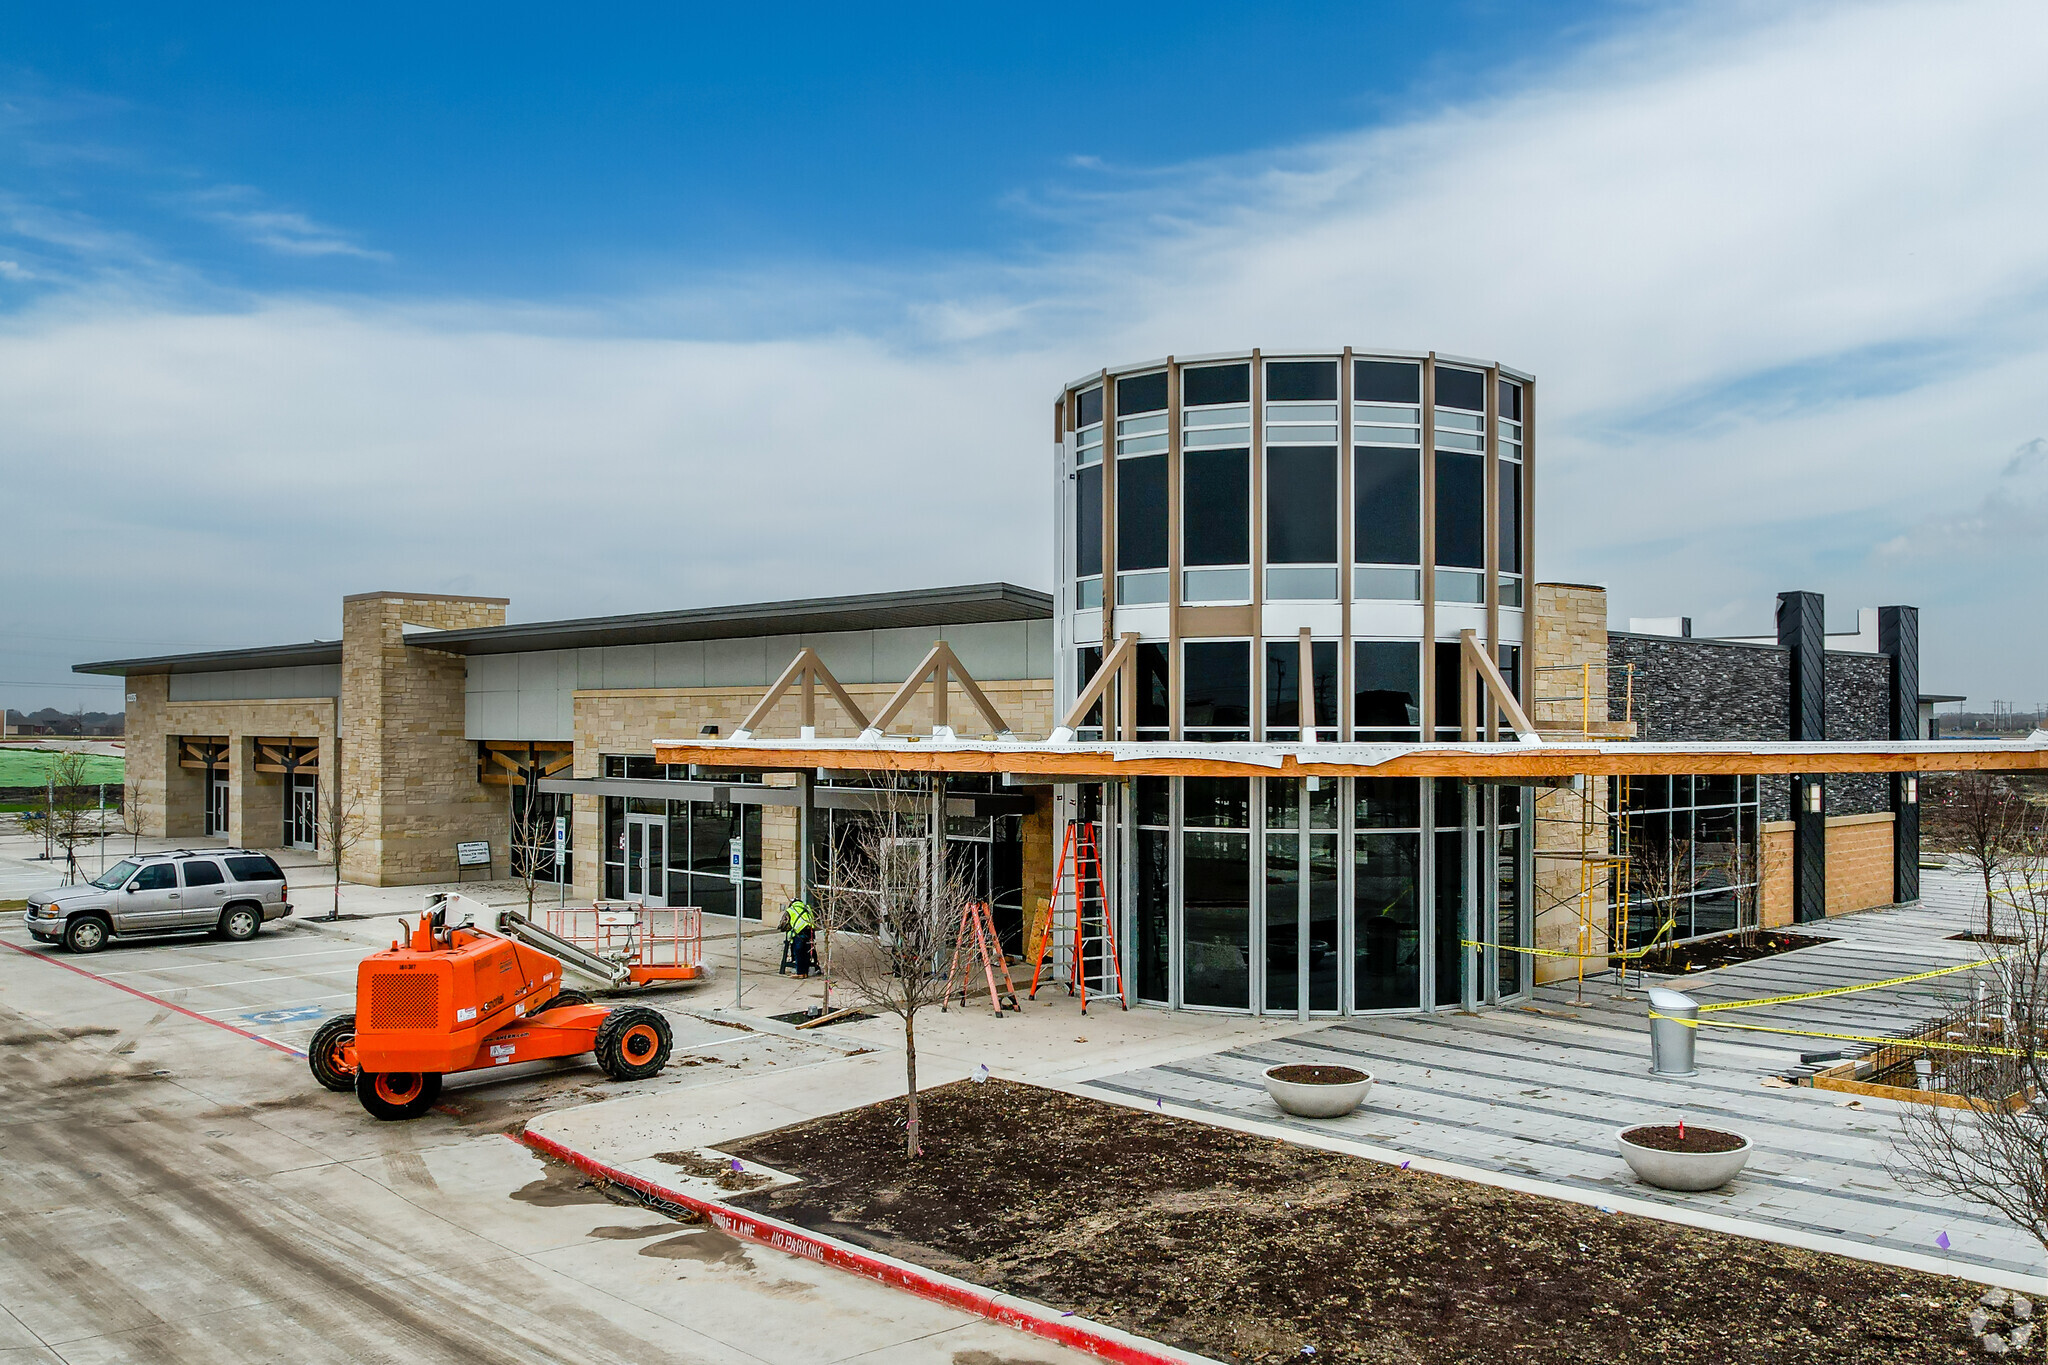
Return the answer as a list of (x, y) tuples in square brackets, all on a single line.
[(1301, 505), (1461, 511), (1145, 393), (1216, 516), (1386, 381), (1283, 684), (1089, 659), (260, 869), (1216, 384), (1088, 521), (1510, 517), (1388, 802), (1154, 800), (1460, 389), (1154, 697), (1386, 491), (1088, 408), (1387, 685), (1300, 380), (1448, 722), (201, 873), (1216, 684), (156, 877), (643, 766), (1218, 802), (1511, 400), (1141, 513)]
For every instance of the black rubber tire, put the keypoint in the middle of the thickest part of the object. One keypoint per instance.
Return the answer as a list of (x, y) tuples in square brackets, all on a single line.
[(568, 997), (322, 1054), (396, 1095), (86, 934), (240, 923), (633, 1043)]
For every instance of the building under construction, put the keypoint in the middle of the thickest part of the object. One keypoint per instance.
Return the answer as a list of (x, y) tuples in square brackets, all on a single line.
[(1337, 747)]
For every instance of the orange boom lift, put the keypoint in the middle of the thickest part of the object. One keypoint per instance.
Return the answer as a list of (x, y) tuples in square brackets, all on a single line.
[(454, 997)]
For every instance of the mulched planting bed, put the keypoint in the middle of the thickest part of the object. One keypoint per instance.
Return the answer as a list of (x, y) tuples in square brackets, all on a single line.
[(1724, 952), (1253, 1250)]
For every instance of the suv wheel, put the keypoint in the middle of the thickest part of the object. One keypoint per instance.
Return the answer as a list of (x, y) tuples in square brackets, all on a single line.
[(85, 934), (239, 922)]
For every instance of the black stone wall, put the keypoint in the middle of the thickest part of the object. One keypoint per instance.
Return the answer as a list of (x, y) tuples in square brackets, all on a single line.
[(1702, 689), (1858, 695)]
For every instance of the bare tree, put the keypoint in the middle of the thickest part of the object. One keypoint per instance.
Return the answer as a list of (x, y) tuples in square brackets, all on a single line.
[(1979, 818), (341, 828), (531, 831), (1994, 1153), (894, 922), (70, 797)]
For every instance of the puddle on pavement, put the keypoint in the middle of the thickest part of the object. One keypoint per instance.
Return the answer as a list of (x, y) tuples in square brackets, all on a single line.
[(709, 1247), (632, 1234), (562, 1187)]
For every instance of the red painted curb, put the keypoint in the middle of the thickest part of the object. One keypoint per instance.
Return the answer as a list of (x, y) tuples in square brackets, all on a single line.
[(1076, 1332), (153, 999)]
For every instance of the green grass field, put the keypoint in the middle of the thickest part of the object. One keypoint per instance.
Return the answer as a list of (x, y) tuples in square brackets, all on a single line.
[(31, 768)]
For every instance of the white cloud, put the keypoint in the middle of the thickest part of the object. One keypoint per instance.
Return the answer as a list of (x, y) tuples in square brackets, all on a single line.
[(280, 230), (1782, 277)]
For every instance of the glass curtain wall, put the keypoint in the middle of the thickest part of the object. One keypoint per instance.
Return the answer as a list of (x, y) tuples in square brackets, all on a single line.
[(1693, 850), (1386, 481)]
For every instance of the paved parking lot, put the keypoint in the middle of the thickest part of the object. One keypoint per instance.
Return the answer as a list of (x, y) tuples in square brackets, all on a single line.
[(178, 1191)]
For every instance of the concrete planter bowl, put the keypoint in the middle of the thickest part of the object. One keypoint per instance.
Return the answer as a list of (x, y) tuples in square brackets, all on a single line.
[(1684, 1170), (1317, 1092)]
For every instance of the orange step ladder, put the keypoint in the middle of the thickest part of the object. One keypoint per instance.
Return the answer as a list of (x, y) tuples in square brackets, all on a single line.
[(1078, 937), (978, 939)]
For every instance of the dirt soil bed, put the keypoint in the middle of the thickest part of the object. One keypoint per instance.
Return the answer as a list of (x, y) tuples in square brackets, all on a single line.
[(1680, 958), (1664, 1137), (1248, 1249)]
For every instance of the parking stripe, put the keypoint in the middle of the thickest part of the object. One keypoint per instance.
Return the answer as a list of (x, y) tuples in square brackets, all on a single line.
[(155, 1000), (228, 961)]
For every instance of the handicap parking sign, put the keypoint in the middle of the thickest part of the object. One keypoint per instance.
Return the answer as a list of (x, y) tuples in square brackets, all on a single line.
[(285, 1016)]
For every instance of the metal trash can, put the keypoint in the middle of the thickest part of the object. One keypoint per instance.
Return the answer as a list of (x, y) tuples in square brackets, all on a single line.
[(1671, 1042)]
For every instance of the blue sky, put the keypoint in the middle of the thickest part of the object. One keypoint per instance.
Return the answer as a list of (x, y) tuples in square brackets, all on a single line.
[(535, 152), (637, 311)]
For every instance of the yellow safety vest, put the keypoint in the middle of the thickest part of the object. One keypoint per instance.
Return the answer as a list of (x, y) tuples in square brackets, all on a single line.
[(799, 918)]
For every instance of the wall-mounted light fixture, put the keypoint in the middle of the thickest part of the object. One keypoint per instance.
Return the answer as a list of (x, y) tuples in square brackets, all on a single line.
[(707, 732), (1912, 790), (1813, 797)]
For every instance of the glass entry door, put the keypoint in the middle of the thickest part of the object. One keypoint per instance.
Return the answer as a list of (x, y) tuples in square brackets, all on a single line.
[(302, 816), (646, 860), (217, 807), (1303, 844)]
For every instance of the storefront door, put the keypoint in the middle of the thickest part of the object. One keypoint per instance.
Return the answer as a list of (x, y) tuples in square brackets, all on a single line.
[(217, 808), (302, 817), (1302, 910), (646, 860)]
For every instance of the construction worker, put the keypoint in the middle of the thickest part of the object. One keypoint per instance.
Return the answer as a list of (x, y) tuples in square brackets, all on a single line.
[(798, 925)]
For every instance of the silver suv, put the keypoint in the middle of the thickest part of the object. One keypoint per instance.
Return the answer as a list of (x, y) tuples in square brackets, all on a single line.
[(229, 891)]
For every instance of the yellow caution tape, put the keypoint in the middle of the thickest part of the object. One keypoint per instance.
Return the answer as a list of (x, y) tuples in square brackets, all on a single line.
[(1937, 1045), (1839, 990), (1626, 954)]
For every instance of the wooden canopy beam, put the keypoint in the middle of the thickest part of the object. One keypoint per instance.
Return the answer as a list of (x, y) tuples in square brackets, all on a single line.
[(1477, 674), (1495, 761)]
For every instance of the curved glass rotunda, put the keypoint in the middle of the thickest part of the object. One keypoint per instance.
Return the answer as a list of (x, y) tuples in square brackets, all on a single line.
[(1298, 540)]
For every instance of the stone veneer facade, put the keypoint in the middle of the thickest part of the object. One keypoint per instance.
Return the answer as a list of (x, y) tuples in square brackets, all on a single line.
[(405, 764)]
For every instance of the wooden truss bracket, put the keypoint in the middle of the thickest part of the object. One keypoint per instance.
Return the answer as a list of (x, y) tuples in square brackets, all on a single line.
[(805, 671), (1120, 664), (1476, 673), (521, 763), (937, 667)]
